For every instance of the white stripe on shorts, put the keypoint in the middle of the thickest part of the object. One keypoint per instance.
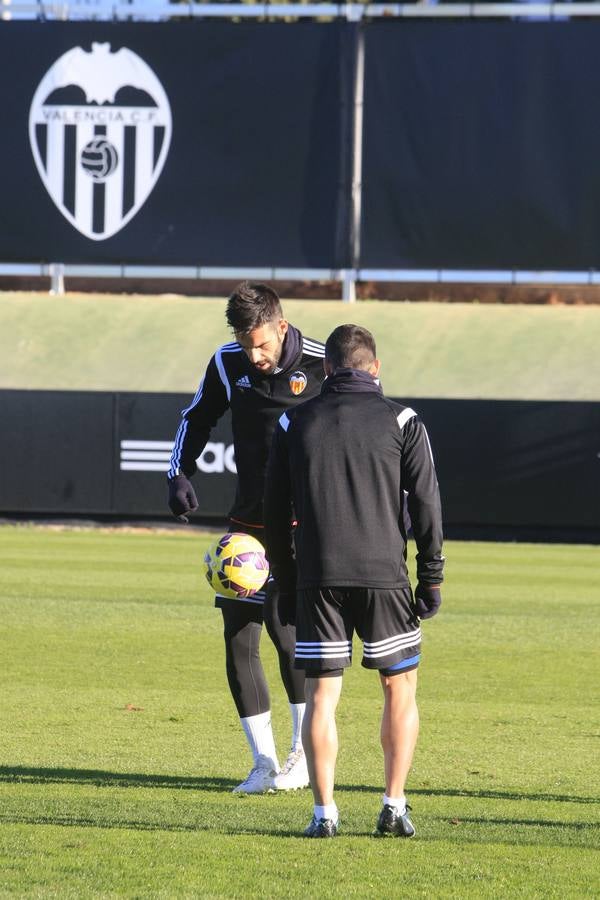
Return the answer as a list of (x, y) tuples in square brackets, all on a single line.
[(391, 645), (323, 649), (375, 645)]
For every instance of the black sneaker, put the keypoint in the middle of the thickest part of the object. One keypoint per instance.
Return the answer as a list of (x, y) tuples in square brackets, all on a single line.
[(321, 828), (392, 823)]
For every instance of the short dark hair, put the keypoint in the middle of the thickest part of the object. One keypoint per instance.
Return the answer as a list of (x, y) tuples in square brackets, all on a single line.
[(350, 347), (251, 305)]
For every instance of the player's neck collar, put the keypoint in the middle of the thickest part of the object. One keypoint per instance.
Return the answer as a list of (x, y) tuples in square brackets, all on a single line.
[(351, 380), (291, 351)]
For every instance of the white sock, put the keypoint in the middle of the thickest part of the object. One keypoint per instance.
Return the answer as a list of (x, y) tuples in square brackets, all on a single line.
[(329, 811), (398, 802), (297, 710), (260, 736)]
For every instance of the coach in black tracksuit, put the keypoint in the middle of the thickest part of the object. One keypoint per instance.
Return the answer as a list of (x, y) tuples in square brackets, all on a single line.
[(269, 368), (345, 462)]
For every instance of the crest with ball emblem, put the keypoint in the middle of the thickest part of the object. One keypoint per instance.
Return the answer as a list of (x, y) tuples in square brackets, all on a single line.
[(100, 130), (298, 382)]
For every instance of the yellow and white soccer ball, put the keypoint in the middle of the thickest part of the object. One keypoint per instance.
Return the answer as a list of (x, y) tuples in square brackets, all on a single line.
[(236, 565)]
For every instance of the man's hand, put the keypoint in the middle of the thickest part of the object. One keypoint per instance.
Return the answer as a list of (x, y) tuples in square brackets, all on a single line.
[(182, 498), (428, 599)]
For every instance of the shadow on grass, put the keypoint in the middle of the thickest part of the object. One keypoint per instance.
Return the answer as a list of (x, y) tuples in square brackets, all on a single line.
[(528, 823), (475, 794), (102, 778), (561, 836)]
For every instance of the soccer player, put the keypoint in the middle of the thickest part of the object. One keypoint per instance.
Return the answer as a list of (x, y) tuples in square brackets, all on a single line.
[(268, 368), (344, 462)]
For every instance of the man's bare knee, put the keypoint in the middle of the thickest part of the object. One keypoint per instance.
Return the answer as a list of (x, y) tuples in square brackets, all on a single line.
[(404, 684)]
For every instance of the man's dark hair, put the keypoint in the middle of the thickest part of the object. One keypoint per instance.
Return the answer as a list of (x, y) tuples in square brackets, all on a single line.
[(252, 305), (350, 347)]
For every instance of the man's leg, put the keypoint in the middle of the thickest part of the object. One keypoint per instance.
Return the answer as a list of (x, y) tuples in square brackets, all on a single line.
[(319, 735), (399, 732), (278, 618), (248, 686)]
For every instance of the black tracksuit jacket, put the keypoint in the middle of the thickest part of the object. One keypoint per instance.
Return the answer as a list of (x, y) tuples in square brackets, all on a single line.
[(342, 463), (256, 402)]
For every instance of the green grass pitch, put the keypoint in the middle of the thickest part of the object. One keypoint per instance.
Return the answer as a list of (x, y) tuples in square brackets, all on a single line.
[(99, 799)]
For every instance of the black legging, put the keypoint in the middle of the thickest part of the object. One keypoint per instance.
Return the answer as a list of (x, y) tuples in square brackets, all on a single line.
[(242, 630)]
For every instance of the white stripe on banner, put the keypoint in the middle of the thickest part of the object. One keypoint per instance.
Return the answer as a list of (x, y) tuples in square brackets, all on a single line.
[(113, 201), (145, 454), (84, 185), (145, 466), (147, 445), (55, 150)]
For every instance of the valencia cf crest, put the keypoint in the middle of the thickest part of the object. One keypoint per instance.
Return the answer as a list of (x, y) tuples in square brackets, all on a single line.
[(298, 382), (100, 130)]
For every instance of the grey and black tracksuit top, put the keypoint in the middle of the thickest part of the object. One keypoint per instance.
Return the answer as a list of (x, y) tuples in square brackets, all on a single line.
[(341, 463), (256, 402)]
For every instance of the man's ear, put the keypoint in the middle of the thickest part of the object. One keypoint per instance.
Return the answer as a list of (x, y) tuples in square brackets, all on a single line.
[(327, 367), (375, 367), (282, 327)]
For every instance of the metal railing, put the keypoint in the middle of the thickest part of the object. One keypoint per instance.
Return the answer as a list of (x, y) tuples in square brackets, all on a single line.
[(162, 10), (348, 278)]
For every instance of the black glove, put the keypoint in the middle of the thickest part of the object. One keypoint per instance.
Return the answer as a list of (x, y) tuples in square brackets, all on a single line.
[(428, 599), (182, 498)]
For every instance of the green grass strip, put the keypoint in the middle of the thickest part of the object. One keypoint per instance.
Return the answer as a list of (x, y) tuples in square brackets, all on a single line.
[(125, 343)]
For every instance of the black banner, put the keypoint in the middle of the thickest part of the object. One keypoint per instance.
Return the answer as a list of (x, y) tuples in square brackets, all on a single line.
[(199, 143), (230, 144), (503, 465), (146, 426), (56, 452), (481, 145)]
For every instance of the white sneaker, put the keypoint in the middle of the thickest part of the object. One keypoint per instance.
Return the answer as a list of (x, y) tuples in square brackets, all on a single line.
[(260, 778), (293, 774)]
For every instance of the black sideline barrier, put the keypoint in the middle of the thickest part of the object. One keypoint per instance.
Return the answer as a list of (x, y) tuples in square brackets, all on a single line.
[(502, 465), (230, 144)]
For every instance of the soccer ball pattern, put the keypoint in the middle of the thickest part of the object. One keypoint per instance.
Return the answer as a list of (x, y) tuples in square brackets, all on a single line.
[(99, 159), (236, 565)]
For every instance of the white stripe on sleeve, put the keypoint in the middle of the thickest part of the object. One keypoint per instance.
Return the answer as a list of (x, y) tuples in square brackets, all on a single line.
[(404, 416), (176, 454), (221, 371)]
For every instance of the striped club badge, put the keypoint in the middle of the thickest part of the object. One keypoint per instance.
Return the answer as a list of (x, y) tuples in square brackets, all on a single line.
[(298, 382), (100, 130)]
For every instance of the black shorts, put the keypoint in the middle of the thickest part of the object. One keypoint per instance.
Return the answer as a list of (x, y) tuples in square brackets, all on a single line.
[(385, 620)]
